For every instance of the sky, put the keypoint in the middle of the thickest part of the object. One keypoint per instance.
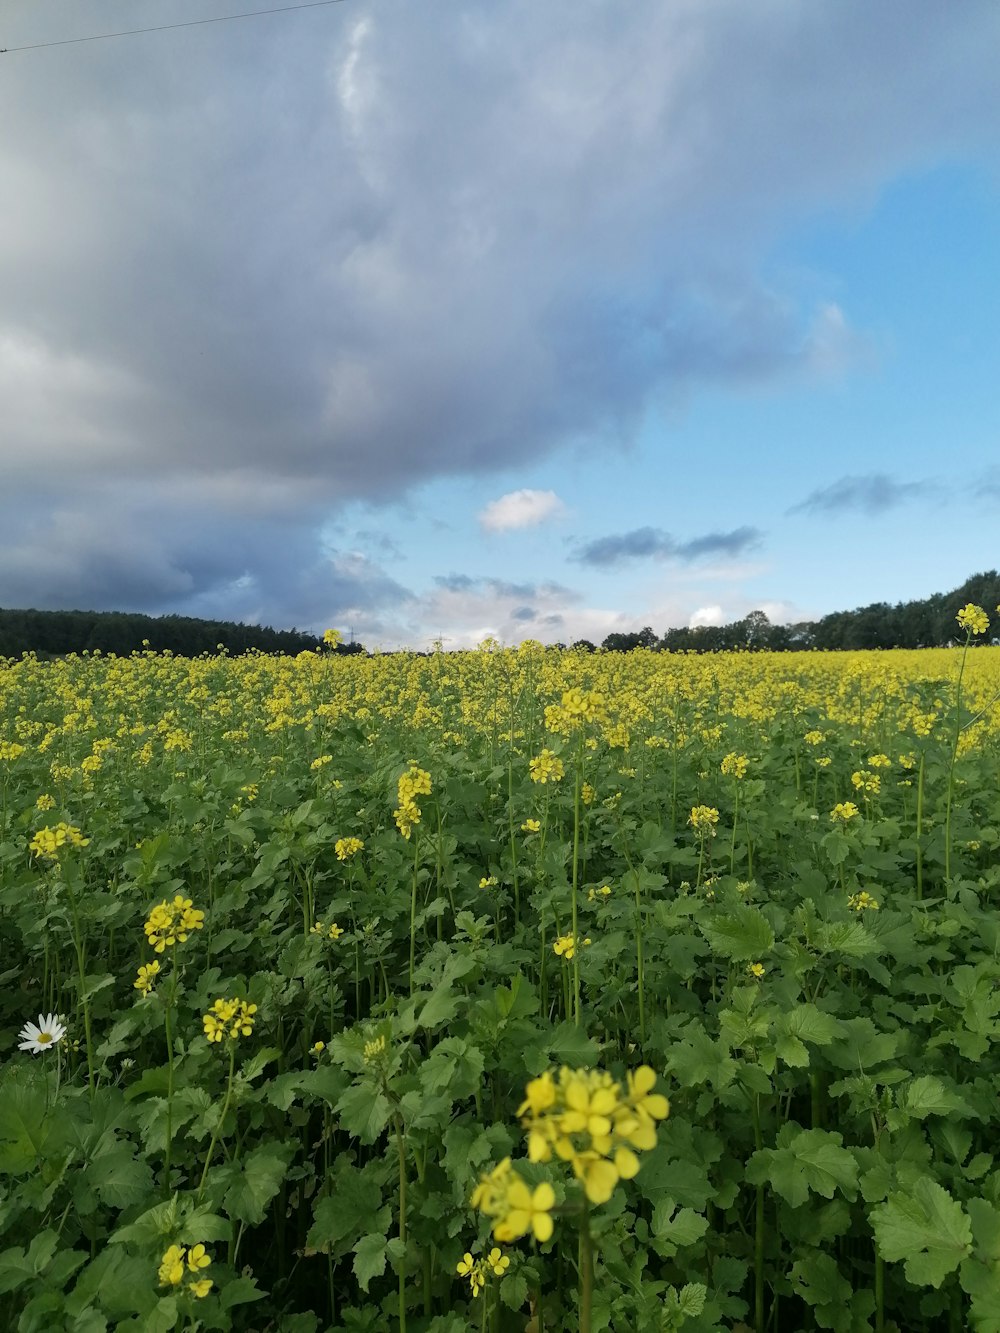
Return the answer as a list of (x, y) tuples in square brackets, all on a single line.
[(437, 320)]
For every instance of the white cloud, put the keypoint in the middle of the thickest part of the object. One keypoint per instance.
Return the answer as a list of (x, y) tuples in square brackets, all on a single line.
[(706, 615), (521, 509)]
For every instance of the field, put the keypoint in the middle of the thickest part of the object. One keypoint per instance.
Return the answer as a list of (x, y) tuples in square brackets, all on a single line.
[(348, 994)]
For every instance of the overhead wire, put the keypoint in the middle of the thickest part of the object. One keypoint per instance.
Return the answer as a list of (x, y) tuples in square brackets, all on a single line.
[(168, 27)]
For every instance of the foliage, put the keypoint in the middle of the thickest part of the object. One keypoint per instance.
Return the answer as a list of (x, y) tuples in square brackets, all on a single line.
[(301, 1032)]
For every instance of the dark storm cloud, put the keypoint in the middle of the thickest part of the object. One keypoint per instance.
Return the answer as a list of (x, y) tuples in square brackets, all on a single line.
[(870, 494), (307, 258), (654, 543)]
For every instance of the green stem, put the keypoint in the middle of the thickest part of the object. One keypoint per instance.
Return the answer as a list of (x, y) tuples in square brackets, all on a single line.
[(920, 830), (576, 881), (954, 756), (222, 1116), (586, 1270), (401, 1148), (413, 905)]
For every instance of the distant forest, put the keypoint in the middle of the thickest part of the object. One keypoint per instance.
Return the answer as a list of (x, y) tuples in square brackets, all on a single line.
[(922, 624), (56, 633)]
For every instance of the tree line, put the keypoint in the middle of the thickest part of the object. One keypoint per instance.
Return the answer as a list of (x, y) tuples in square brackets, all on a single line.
[(927, 623), (57, 633)]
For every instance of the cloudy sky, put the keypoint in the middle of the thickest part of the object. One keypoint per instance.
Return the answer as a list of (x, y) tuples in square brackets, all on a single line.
[(436, 318)]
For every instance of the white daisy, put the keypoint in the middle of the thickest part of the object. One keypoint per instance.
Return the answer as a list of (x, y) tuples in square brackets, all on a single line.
[(49, 1031)]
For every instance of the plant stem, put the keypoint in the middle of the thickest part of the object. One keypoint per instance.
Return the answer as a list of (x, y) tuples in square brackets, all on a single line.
[(586, 1270), (222, 1116)]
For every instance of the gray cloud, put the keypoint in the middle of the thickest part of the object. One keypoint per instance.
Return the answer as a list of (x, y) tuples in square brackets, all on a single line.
[(276, 265), (873, 493), (654, 543)]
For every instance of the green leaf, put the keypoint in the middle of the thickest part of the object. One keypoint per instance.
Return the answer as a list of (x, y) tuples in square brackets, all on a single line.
[(699, 1059), (927, 1095), (806, 1160), (256, 1179), (926, 1228), (119, 1178), (18, 1266), (673, 1230), (740, 935), (513, 1290), (241, 1291), (369, 1258), (364, 1111), (353, 1205)]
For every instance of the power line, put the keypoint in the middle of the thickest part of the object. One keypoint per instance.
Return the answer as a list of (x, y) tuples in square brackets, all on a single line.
[(167, 27)]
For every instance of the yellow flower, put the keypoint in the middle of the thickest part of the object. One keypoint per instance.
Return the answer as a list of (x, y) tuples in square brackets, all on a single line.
[(844, 810), (565, 946), (531, 826), (474, 1270), (200, 1288), (735, 765), (756, 970), (347, 847), (197, 1258), (47, 842), (546, 767), (498, 1261), (232, 1018), (863, 901), (146, 979), (973, 618), (703, 819), (171, 923), (171, 1270), (527, 1210)]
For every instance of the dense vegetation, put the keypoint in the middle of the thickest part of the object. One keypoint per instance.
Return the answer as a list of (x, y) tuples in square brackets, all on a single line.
[(926, 623), (52, 633), (360, 984)]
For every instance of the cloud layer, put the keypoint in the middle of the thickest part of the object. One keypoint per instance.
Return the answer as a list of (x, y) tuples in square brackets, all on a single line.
[(520, 509), (654, 543), (259, 270), (870, 494)]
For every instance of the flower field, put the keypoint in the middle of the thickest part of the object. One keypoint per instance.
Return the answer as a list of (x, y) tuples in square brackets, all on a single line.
[(526, 990)]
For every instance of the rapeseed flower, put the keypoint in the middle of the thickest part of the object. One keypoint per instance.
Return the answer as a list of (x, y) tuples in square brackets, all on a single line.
[(703, 819), (844, 811), (232, 1018), (973, 619), (170, 923)]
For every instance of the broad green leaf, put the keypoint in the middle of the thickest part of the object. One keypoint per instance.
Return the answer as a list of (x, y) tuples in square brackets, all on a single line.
[(255, 1180), (369, 1259), (926, 1228), (740, 935), (364, 1111), (349, 1210), (806, 1161)]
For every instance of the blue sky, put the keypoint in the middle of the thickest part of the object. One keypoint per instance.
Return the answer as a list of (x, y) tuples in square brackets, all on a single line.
[(530, 321)]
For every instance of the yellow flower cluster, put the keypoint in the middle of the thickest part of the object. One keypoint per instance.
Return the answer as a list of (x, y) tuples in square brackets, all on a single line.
[(844, 811), (232, 1018), (146, 979), (973, 618), (600, 895), (321, 761), (703, 819), (863, 902), (374, 1049), (170, 923), (735, 765), (866, 781), (178, 1261), (413, 783), (348, 847), (565, 945), (546, 767), (10, 750), (588, 1119), (47, 842), (477, 1270), (332, 931), (515, 1207)]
